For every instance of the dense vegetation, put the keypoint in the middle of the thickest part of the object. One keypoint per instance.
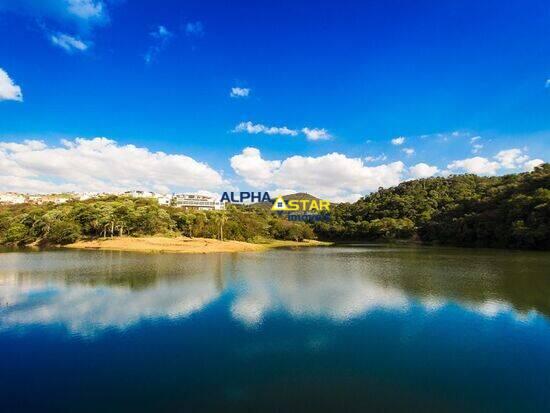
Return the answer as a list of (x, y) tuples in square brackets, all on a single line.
[(511, 211), (117, 216)]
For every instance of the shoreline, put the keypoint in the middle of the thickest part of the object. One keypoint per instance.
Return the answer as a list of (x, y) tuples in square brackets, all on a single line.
[(184, 245)]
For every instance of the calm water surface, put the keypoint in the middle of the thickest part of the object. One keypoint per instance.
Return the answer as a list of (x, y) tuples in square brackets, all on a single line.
[(366, 328)]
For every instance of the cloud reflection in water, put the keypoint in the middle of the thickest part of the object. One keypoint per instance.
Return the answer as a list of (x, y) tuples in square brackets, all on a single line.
[(88, 293)]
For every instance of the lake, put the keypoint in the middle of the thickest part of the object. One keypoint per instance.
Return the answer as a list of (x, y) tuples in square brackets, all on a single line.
[(349, 328)]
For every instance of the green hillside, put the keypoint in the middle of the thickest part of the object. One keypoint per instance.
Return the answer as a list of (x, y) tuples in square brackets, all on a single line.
[(510, 211)]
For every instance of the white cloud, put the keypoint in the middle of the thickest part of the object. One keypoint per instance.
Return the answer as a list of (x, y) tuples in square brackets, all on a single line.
[(408, 151), (161, 35), (476, 148), (83, 11), (99, 164), (27, 145), (86, 9), (251, 128), (333, 176), (255, 128), (511, 158), (316, 134), (379, 158), (161, 32), (506, 159), (8, 89), (475, 165), (250, 165), (530, 165), (398, 141), (194, 29), (78, 16), (68, 43), (422, 170), (475, 139), (239, 92)]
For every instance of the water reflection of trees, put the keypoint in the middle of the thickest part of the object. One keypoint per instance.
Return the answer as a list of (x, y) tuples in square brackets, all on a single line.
[(342, 283), (88, 291), (467, 277)]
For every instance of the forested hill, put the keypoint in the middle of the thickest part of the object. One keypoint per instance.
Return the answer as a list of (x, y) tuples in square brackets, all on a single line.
[(511, 211)]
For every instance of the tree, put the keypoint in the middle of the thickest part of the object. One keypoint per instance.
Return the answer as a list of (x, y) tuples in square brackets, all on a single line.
[(17, 234), (63, 232)]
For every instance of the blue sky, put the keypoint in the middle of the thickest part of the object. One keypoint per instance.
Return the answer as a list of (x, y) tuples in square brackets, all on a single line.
[(443, 75)]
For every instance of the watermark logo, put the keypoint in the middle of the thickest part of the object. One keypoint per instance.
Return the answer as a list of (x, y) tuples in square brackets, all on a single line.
[(305, 210), (241, 197), (302, 205), (279, 204)]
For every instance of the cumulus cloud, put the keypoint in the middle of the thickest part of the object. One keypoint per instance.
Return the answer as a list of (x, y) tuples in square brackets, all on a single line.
[(333, 176), (252, 128), (398, 141), (316, 134), (475, 165), (422, 170), (99, 164), (408, 151), (532, 164), (475, 139), (250, 165), (514, 158), (8, 89), (239, 92), (27, 145), (68, 43), (511, 158)]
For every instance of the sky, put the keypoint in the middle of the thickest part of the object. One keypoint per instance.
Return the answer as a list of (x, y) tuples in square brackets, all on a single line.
[(332, 98)]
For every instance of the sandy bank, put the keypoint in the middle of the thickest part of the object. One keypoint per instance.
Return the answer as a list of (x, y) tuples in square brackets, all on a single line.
[(182, 245)]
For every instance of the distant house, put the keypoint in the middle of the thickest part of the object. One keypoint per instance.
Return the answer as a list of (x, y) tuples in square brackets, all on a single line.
[(196, 201), (165, 200), (11, 198), (45, 199), (84, 196), (139, 194), (162, 199)]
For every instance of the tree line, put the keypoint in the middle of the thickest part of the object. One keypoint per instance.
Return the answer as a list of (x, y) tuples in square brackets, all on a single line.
[(511, 211), (122, 216)]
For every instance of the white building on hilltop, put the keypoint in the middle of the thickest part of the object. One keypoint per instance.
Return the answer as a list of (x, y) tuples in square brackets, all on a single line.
[(196, 201), (162, 199), (84, 196), (165, 200), (40, 199), (11, 198), (139, 194)]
